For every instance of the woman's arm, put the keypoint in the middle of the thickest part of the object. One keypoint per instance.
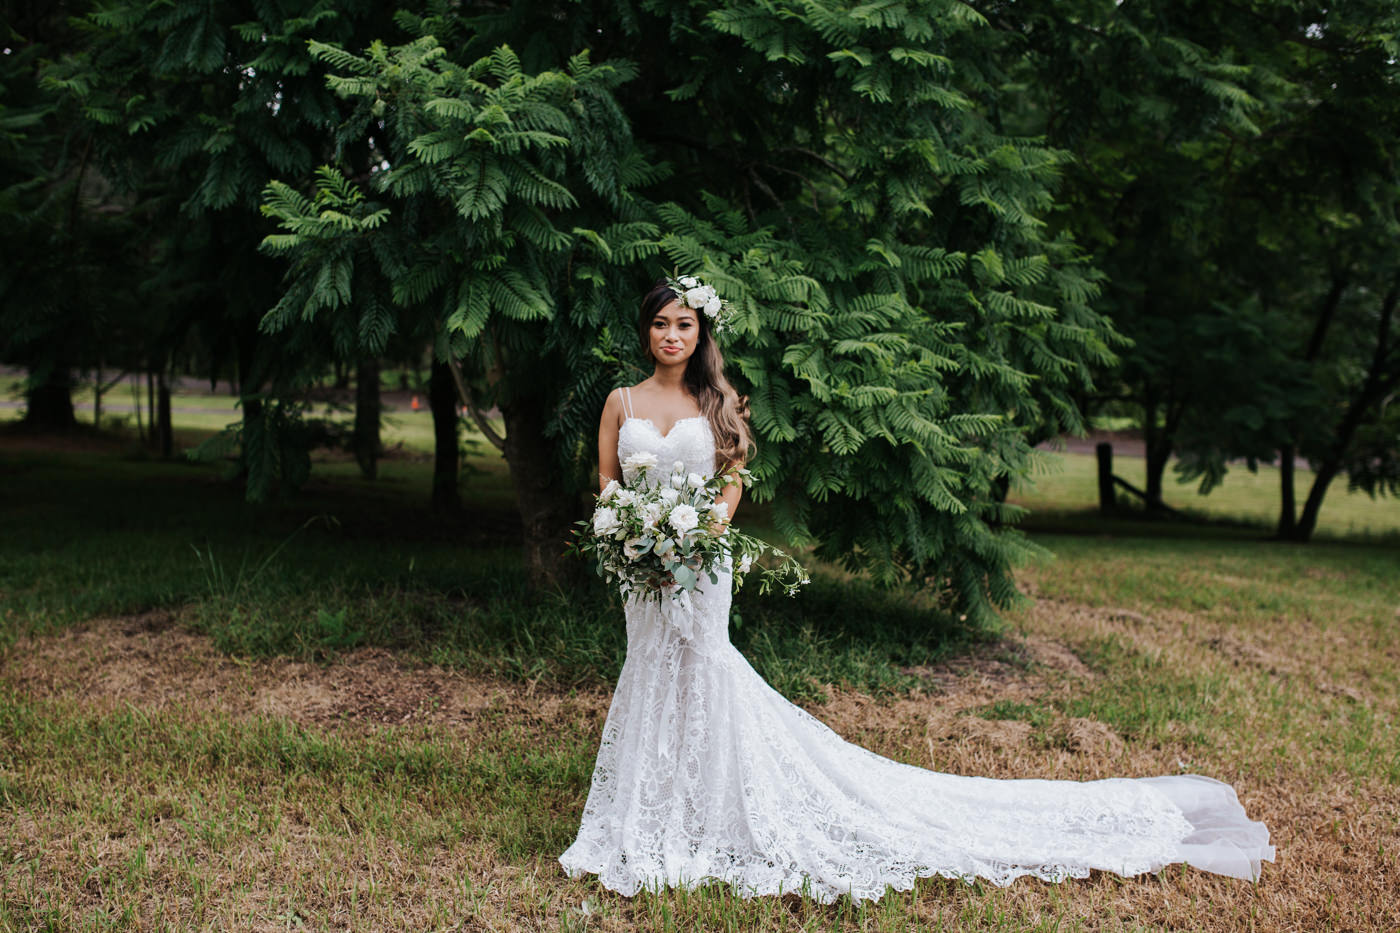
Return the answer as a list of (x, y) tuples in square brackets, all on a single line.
[(608, 466)]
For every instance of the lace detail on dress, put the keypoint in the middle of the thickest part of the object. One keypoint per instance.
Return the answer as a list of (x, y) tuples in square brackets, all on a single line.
[(688, 441), (705, 773)]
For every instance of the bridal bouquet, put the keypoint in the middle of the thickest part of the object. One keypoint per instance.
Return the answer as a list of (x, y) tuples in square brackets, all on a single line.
[(661, 538)]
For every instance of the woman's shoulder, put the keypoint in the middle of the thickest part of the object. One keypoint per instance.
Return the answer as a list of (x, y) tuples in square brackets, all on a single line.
[(613, 406)]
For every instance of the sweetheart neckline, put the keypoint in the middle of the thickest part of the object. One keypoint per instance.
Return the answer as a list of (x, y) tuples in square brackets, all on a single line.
[(674, 424)]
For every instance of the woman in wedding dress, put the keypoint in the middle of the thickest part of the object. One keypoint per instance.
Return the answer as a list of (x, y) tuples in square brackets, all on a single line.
[(707, 774)]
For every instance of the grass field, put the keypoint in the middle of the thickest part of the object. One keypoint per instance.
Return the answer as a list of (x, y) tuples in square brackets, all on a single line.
[(1066, 488), (196, 415), (344, 712)]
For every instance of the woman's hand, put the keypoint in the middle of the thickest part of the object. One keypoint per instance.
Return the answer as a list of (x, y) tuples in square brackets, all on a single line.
[(729, 499)]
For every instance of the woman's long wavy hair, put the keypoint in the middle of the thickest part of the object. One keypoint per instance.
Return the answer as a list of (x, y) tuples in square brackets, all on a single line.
[(722, 406)]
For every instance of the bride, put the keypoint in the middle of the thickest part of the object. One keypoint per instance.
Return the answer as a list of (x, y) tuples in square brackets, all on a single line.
[(707, 774)]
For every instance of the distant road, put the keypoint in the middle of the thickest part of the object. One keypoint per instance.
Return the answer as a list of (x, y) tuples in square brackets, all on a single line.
[(128, 408), (1124, 444)]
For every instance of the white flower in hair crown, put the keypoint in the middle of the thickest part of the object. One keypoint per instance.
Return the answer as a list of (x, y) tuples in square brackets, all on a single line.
[(695, 294)]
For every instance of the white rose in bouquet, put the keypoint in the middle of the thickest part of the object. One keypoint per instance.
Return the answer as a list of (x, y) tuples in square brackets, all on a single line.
[(684, 518), (642, 460), (625, 497), (651, 514), (605, 521), (670, 496), (609, 491), (677, 480), (695, 481), (699, 297)]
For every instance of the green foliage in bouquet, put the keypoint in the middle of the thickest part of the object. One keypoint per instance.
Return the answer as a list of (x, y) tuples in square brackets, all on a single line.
[(659, 538)]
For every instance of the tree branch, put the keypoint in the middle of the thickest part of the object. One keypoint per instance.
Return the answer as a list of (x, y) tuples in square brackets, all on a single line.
[(466, 396), (845, 176), (1324, 318)]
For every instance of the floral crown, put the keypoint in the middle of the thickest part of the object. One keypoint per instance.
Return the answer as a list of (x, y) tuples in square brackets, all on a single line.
[(695, 294)]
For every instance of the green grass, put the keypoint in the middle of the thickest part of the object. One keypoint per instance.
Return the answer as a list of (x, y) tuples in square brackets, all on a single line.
[(1204, 648), (209, 801), (505, 773), (1202, 633), (1064, 493)]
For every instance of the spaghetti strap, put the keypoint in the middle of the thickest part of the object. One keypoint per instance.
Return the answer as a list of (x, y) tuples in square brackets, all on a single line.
[(627, 401)]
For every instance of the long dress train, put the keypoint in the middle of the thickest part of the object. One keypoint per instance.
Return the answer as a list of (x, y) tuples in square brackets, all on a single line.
[(705, 773)]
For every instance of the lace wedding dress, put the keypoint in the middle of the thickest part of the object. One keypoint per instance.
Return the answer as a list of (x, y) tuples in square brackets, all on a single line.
[(705, 773)]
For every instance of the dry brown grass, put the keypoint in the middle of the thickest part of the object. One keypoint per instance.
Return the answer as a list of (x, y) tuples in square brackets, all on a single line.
[(284, 850)]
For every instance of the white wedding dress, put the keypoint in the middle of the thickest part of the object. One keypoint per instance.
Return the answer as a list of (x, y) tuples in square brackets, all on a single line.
[(707, 774)]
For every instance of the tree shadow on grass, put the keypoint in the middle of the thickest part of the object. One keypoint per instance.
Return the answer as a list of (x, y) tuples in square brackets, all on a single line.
[(352, 563)]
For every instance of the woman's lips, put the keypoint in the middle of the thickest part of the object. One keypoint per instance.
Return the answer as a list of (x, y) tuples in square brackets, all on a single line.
[(670, 349)]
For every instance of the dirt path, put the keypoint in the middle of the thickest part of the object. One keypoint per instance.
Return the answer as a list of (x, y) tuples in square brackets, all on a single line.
[(153, 662)]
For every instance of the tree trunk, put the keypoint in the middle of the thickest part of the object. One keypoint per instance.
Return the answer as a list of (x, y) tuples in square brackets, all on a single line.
[(1328, 469), (1158, 442), (1307, 520), (1107, 500), (1288, 524), (1288, 509), (164, 430), (1158, 455), (1380, 382), (248, 378), (151, 406), (136, 407), (97, 399), (1152, 441), (366, 436), (49, 404), (442, 399), (546, 508)]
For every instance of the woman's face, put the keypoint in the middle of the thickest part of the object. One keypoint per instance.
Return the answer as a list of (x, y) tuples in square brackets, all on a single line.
[(674, 333)]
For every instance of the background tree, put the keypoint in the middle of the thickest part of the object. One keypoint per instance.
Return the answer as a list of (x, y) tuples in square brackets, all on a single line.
[(194, 106), (1229, 172), (1329, 168), (1155, 102), (73, 256)]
